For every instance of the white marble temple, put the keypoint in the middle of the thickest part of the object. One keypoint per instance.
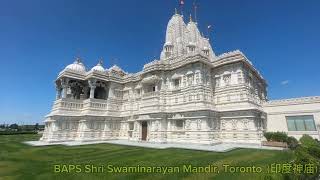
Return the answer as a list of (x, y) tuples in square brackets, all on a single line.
[(189, 95)]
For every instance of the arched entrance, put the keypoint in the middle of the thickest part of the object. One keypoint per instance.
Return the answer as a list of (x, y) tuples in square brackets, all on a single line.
[(100, 93)]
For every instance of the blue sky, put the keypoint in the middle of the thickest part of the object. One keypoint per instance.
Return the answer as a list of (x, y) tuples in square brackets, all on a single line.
[(38, 38)]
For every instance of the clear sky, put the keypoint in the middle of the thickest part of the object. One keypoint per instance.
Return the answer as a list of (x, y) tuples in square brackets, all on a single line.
[(38, 38)]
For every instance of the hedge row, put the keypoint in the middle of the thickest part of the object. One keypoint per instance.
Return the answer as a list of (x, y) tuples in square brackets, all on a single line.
[(281, 137), (17, 132)]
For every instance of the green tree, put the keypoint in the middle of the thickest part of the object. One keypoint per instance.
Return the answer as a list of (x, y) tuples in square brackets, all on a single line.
[(14, 126), (307, 153), (36, 127)]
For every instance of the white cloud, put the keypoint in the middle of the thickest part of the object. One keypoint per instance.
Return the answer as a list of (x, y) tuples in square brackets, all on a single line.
[(285, 82)]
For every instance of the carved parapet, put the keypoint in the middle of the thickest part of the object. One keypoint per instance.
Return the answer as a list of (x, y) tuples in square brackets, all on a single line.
[(150, 79), (291, 101)]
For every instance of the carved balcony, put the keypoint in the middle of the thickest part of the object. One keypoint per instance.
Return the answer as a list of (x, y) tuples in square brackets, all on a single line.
[(87, 106), (68, 104), (95, 104)]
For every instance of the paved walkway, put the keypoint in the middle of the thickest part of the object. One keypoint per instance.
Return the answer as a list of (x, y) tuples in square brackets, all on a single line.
[(222, 147)]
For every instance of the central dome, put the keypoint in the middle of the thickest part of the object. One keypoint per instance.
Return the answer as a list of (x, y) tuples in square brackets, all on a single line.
[(77, 66)]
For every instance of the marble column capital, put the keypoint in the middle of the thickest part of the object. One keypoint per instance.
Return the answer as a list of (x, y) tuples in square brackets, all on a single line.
[(64, 81), (92, 83)]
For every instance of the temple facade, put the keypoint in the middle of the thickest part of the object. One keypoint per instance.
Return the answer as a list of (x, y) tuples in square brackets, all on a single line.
[(189, 95)]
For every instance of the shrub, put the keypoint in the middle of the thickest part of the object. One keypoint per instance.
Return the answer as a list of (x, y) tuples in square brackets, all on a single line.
[(279, 136), (314, 151), (308, 141), (312, 146), (302, 156), (307, 152), (292, 142), (268, 135), (276, 136)]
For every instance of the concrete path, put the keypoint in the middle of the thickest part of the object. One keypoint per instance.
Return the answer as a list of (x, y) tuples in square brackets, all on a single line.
[(222, 147)]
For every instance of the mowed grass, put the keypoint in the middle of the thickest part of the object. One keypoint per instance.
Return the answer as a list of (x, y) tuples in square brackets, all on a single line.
[(20, 161)]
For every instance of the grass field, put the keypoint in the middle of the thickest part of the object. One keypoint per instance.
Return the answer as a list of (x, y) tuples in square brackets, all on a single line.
[(20, 161)]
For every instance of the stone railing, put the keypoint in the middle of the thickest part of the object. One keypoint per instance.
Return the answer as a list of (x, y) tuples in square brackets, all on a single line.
[(302, 100), (154, 62), (68, 104), (231, 53), (230, 56), (97, 104), (177, 61), (87, 104)]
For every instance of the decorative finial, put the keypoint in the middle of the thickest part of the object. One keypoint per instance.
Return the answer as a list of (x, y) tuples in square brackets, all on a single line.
[(175, 11), (195, 6), (208, 31), (100, 61), (191, 18), (78, 59)]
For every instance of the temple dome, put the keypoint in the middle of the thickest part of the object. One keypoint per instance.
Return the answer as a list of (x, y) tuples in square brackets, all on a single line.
[(116, 68), (76, 66), (98, 67)]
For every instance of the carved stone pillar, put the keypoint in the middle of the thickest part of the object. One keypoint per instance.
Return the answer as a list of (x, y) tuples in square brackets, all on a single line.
[(85, 92), (110, 92), (106, 130), (82, 130), (163, 82), (156, 86), (64, 84), (92, 84), (58, 91)]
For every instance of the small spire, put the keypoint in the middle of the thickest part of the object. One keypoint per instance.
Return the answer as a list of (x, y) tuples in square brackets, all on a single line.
[(195, 6), (175, 11), (100, 62), (78, 60), (191, 18)]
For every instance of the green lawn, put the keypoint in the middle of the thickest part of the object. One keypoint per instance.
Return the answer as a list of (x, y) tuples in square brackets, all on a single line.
[(20, 161)]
